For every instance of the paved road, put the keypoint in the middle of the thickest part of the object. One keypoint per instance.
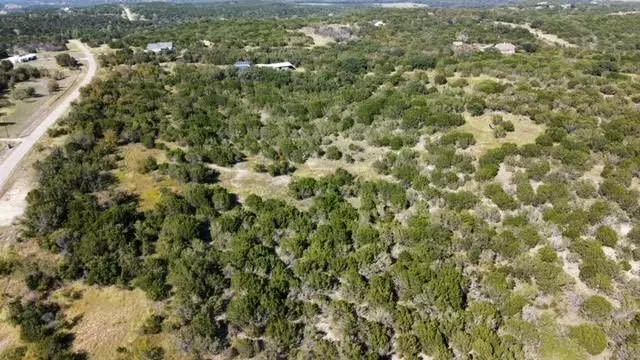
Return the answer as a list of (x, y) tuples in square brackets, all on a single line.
[(12, 161)]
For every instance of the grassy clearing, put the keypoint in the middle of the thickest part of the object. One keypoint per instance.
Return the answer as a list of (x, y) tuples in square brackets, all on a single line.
[(110, 317), (146, 186), (243, 181), (525, 132), (9, 335), (107, 317), (318, 40)]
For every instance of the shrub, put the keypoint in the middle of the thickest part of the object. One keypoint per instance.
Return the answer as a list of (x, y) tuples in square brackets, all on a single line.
[(489, 87), (607, 236), (591, 337), (24, 93), (500, 197), (476, 106), (66, 60), (53, 86), (147, 165), (440, 78), (152, 324), (547, 254), (597, 308), (333, 153), (608, 90)]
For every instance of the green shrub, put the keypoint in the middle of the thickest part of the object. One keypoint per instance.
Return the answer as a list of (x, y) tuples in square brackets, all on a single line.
[(597, 308), (547, 254), (591, 337), (333, 153), (607, 236)]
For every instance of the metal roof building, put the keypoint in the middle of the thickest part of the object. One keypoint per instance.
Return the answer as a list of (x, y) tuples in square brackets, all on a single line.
[(160, 46)]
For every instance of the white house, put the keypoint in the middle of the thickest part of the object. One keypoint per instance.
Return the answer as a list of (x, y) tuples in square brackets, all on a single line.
[(378, 23), (279, 66)]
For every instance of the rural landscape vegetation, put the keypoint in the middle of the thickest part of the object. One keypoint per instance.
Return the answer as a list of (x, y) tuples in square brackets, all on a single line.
[(313, 181)]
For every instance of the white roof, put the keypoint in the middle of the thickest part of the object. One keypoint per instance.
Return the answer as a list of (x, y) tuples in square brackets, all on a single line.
[(276, 65)]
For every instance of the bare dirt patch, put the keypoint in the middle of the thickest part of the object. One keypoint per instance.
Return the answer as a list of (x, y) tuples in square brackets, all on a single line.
[(324, 35)]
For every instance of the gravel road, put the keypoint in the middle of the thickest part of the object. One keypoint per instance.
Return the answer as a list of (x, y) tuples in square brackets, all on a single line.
[(11, 162)]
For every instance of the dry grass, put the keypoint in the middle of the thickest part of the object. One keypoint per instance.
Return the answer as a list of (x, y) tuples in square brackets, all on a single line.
[(318, 40), (9, 335), (146, 186), (243, 181), (108, 318), (525, 132)]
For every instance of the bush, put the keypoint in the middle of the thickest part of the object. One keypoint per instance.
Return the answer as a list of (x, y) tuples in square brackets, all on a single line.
[(489, 87), (591, 337), (66, 60), (597, 308), (147, 165), (440, 79), (500, 197), (152, 325), (547, 254), (476, 106), (333, 153), (607, 236), (53, 86), (24, 93)]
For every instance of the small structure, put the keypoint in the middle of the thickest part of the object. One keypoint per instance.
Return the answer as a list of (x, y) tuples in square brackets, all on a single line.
[(160, 47), (278, 66), (243, 64), (19, 59), (378, 23), (506, 48)]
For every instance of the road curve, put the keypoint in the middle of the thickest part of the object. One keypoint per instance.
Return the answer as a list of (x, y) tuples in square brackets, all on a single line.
[(15, 157)]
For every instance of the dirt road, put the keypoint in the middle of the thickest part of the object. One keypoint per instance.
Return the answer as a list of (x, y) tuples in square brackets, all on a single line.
[(550, 39), (12, 161)]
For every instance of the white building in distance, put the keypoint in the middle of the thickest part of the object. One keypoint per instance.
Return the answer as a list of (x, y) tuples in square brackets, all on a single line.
[(160, 47), (19, 59)]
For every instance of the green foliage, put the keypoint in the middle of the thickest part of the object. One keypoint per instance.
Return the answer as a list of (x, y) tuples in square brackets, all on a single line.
[(591, 337), (66, 60), (497, 194), (597, 308), (607, 236)]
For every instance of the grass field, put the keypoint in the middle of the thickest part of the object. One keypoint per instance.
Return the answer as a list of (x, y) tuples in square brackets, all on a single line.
[(107, 317), (525, 132), (146, 186)]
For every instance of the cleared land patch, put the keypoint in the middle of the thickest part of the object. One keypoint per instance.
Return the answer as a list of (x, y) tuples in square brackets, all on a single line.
[(108, 318), (525, 132), (146, 186)]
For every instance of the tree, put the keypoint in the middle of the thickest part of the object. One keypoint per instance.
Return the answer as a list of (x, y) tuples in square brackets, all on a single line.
[(66, 60), (24, 93), (6, 65), (53, 86)]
